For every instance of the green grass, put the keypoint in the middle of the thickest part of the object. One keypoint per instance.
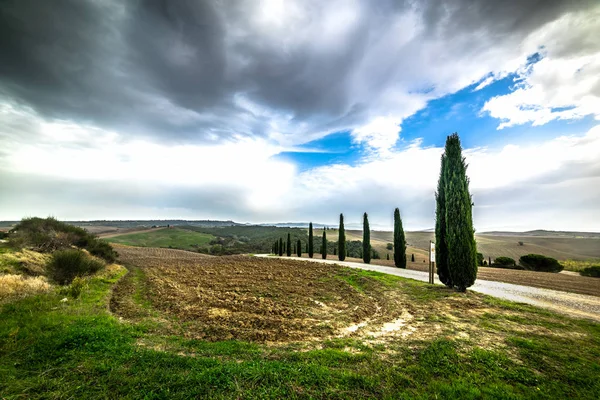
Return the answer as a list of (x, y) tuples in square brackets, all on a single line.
[(174, 238), (77, 349)]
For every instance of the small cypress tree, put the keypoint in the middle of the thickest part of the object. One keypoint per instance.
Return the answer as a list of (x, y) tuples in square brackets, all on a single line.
[(412, 258), (280, 247), (387, 257), (324, 246), (334, 251), (399, 241), (289, 245), (299, 248), (460, 235), (342, 240), (366, 251), (310, 240)]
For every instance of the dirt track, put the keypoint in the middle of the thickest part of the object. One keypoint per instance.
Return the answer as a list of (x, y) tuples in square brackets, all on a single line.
[(573, 304)]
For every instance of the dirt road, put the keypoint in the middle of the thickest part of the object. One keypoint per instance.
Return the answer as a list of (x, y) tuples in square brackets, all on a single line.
[(572, 304)]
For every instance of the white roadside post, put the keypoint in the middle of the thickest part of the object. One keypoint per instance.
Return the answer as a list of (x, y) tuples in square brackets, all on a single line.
[(431, 261)]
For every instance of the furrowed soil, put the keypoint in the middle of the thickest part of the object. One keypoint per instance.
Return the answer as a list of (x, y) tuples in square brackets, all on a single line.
[(246, 298)]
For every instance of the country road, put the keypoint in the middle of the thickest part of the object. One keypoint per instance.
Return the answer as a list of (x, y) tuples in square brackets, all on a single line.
[(572, 304)]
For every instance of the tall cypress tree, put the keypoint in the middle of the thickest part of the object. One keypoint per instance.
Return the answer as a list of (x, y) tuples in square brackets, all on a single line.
[(366, 253), (324, 246), (280, 247), (441, 247), (399, 241), (460, 235), (289, 245), (310, 240), (299, 248), (342, 240)]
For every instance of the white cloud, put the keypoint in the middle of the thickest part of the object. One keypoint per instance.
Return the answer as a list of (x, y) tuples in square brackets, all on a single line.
[(519, 186), (551, 184), (565, 84), (380, 134)]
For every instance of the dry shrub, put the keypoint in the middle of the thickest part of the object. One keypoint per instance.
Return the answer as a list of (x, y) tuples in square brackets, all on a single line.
[(14, 286)]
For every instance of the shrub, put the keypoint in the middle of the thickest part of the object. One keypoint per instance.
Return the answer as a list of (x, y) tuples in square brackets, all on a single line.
[(479, 259), (74, 289), (538, 262), (593, 271), (49, 234), (3, 235), (102, 249), (65, 265), (505, 261), (389, 246)]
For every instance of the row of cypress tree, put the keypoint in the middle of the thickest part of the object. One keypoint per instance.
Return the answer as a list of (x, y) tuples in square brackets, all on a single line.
[(399, 242), (455, 246)]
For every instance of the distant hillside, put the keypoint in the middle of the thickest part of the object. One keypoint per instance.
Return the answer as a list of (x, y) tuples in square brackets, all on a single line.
[(544, 233)]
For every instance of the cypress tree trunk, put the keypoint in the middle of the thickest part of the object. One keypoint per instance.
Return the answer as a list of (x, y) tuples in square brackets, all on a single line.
[(324, 246), (342, 240), (289, 245), (310, 240), (299, 248), (280, 247), (441, 248), (399, 241), (366, 253), (460, 235)]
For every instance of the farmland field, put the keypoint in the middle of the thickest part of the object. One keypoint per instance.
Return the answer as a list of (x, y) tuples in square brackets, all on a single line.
[(175, 238), (186, 325), (494, 246)]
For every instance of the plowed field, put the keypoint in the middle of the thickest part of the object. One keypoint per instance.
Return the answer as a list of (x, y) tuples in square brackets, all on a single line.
[(248, 298)]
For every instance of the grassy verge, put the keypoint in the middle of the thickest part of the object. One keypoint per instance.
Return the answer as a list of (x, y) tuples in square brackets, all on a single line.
[(77, 349), (175, 238), (578, 265)]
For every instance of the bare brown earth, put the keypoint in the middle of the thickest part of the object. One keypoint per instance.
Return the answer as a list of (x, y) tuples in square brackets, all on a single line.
[(240, 297), (277, 301)]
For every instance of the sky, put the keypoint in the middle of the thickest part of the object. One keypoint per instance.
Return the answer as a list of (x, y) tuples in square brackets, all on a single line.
[(285, 111)]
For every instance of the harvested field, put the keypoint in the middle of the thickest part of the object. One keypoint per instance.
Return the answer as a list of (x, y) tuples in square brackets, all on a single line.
[(239, 297), (272, 300)]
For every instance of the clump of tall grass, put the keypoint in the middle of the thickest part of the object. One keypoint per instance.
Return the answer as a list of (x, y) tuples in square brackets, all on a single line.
[(66, 265), (13, 286)]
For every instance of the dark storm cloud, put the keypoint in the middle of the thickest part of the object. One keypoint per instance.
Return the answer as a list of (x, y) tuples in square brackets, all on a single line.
[(177, 69)]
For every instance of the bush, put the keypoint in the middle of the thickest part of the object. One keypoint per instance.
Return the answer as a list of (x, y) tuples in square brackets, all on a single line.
[(49, 234), (505, 261), (66, 265), (479, 259), (102, 249), (389, 246), (593, 271), (74, 289), (3, 235), (538, 262)]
